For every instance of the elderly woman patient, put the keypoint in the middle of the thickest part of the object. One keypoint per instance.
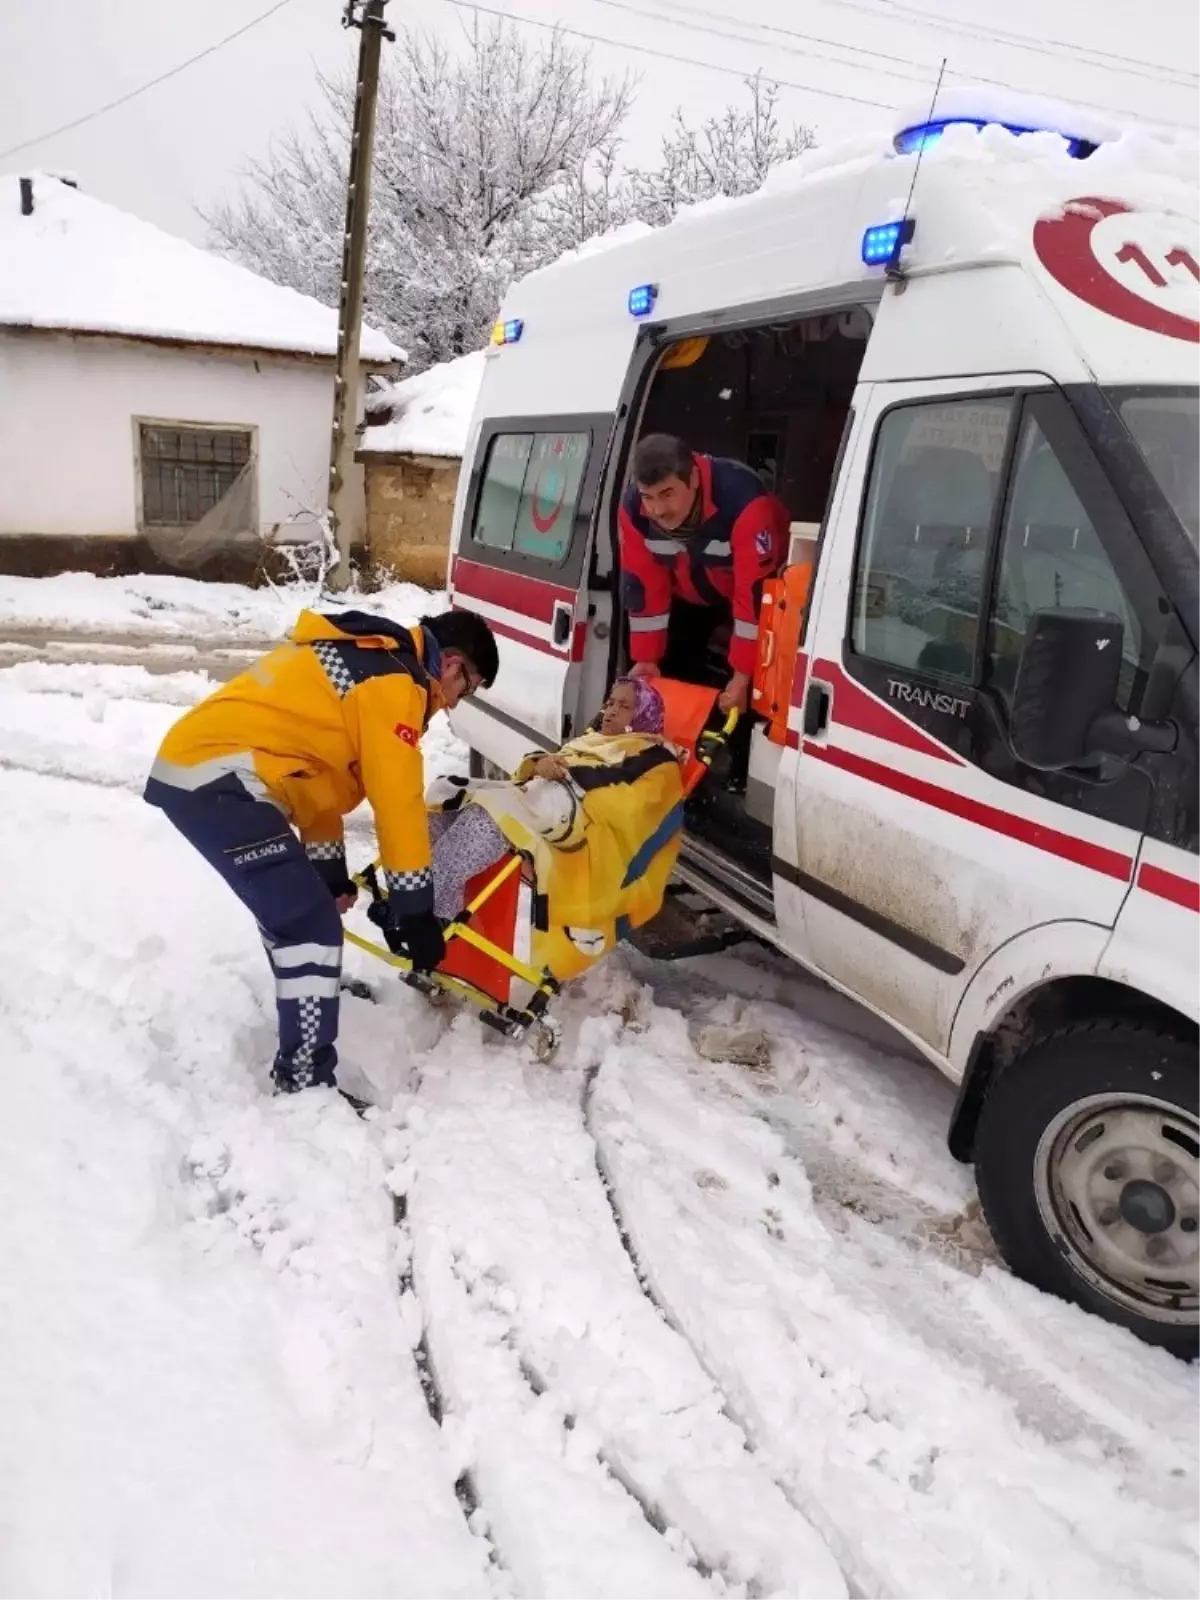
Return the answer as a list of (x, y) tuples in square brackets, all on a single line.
[(595, 815)]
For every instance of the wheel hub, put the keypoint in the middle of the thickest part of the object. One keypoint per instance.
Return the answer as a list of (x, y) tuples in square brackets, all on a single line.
[(1146, 1206), (1118, 1183)]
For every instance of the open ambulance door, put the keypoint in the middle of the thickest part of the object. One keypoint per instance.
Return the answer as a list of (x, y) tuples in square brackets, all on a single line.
[(522, 561)]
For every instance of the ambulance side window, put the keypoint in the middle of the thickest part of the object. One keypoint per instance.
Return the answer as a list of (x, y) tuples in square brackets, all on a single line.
[(1051, 555), (529, 493), (922, 561), (500, 491)]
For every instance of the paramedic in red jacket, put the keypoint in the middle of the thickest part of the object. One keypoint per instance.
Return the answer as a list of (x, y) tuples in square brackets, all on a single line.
[(698, 536)]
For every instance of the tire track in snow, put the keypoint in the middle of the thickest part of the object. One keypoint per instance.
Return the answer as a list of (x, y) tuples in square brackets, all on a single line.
[(465, 1488), (646, 1283), (518, 1264), (869, 1372), (902, 1198)]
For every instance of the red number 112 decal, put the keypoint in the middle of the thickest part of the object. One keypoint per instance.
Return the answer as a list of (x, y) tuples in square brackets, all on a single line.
[(1179, 257)]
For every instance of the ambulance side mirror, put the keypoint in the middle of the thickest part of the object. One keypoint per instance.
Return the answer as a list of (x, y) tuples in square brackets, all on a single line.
[(1064, 707)]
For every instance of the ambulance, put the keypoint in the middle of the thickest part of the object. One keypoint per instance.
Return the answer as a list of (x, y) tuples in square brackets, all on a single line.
[(966, 359)]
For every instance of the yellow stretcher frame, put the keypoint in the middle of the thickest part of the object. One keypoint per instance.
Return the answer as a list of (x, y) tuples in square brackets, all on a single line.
[(512, 1021)]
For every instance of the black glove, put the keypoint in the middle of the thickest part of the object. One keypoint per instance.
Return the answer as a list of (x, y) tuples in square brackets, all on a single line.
[(332, 870), (419, 937)]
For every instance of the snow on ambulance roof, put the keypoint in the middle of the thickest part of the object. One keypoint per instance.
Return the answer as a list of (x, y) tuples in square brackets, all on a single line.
[(429, 414), (982, 194), (77, 264), (1032, 135)]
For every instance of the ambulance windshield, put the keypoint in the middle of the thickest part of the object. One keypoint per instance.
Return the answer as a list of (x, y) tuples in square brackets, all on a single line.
[(1165, 424)]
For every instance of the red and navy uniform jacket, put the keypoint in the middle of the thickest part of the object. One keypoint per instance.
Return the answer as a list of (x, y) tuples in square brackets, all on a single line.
[(741, 538)]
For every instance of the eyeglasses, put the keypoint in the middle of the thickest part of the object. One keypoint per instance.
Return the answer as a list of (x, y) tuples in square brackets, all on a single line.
[(471, 679)]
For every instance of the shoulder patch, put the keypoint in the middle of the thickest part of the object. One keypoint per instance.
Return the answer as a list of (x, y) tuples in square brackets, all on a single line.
[(407, 735), (762, 542)]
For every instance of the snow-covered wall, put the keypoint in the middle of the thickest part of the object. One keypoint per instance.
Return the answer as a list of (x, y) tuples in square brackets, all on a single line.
[(68, 441)]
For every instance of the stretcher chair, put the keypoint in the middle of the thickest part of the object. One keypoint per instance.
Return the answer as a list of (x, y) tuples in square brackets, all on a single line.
[(480, 966)]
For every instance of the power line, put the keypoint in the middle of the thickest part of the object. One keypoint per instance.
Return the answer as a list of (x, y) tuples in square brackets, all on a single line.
[(1017, 41), (722, 33), (689, 12), (663, 55), (124, 99)]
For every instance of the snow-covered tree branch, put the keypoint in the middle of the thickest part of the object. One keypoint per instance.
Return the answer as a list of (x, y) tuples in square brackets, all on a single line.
[(729, 154), (489, 162)]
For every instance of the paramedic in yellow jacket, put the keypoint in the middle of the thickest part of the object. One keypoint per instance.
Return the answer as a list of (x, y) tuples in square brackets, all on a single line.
[(333, 716), (602, 819)]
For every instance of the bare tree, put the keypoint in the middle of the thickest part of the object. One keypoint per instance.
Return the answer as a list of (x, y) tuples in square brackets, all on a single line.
[(465, 146), (729, 154), (488, 163)]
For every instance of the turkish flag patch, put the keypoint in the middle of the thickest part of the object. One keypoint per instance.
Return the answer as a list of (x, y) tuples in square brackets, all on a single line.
[(407, 735)]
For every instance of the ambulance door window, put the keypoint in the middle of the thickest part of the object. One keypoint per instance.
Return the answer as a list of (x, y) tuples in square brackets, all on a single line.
[(922, 566), (500, 490), (533, 492), (545, 514), (1052, 556), (1065, 540)]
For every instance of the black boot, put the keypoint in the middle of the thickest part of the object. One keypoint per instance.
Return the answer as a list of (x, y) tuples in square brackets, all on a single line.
[(287, 1078)]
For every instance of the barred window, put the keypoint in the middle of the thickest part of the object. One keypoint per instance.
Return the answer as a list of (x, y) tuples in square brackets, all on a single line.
[(187, 472)]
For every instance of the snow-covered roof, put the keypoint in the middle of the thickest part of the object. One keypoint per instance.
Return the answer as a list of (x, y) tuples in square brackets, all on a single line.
[(78, 264), (430, 413)]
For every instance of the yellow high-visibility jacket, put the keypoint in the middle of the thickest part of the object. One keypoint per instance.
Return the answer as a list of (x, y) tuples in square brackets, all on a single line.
[(333, 716), (607, 867)]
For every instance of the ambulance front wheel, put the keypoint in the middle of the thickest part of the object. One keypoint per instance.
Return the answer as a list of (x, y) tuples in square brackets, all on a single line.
[(1086, 1159)]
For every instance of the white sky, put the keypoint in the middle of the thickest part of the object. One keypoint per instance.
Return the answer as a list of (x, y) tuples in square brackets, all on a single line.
[(182, 144)]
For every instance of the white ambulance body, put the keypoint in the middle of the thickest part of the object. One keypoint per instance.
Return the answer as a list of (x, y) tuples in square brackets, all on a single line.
[(977, 825)]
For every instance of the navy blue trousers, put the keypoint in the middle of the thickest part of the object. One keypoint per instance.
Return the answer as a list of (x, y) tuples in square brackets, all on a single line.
[(250, 844)]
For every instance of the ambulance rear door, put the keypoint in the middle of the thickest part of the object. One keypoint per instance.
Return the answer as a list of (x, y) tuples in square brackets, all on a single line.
[(522, 562)]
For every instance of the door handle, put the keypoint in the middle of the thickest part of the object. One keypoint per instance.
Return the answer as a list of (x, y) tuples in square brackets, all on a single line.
[(816, 709), (563, 616)]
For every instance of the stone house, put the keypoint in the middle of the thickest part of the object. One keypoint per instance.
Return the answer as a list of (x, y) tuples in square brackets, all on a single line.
[(411, 447)]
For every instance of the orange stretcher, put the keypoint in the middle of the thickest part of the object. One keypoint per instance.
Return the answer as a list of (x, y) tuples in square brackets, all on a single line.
[(480, 965), (780, 625)]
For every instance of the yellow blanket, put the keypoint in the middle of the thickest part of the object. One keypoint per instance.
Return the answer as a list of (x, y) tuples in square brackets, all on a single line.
[(604, 843)]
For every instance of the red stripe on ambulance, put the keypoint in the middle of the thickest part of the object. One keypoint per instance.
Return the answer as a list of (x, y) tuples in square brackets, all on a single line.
[(853, 707), (514, 591), (1183, 892), (531, 641), (1097, 857)]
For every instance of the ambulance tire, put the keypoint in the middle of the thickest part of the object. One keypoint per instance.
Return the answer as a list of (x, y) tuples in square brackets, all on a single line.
[(1073, 1140)]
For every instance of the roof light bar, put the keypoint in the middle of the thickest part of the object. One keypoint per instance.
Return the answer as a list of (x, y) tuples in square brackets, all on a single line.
[(911, 141)]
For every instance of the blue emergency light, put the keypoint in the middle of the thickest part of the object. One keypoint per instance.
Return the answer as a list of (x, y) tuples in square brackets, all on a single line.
[(882, 244), (641, 299), (508, 332), (911, 141)]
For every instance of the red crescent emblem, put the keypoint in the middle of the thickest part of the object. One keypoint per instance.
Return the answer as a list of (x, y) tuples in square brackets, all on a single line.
[(1064, 247), (543, 521)]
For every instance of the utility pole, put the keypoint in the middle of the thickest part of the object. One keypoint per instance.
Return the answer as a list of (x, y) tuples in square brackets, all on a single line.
[(366, 15)]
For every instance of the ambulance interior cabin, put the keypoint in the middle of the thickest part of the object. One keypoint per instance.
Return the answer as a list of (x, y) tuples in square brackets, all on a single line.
[(776, 398)]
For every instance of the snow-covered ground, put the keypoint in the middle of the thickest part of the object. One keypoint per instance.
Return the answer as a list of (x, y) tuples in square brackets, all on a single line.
[(161, 609), (632, 1324)]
